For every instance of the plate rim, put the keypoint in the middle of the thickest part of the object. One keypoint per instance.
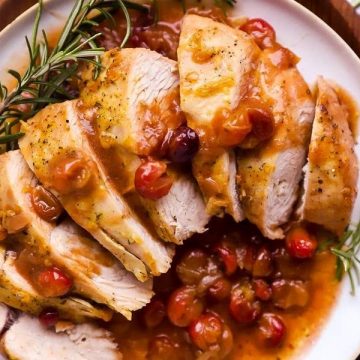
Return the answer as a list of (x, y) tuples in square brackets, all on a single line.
[(30, 12)]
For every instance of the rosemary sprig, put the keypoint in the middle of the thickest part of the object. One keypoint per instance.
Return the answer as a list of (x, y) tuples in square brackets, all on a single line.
[(355, 3), (348, 261), (49, 69)]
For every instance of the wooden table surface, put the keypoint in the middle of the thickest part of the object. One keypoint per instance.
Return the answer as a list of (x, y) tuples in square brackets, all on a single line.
[(336, 13)]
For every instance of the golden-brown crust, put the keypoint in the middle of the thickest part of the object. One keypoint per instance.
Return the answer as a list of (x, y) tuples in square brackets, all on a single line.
[(330, 183), (269, 176)]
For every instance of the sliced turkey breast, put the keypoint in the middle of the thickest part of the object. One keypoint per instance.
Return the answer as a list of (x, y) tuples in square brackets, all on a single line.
[(63, 159), (179, 214), (5, 314), (216, 63), (332, 170), (6, 319), (27, 339), (98, 275), (16, 209), (136, 98), (16, 291), (269, 176), (95, 272)]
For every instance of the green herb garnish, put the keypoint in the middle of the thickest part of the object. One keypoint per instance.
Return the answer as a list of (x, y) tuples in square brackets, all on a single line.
[(348, 260), (49, 69), (355, 3)]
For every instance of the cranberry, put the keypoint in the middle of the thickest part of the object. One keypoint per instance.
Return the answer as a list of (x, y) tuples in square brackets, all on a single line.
[(263, 124), (263, 265), (244, 308), (182, 145), (72, 173), (53, 282), (227, 342), (220, 289), (162, 347), (262, 32), (206, 331), (152, 181), (300, 244), (45, 204), (287, 294), (49, 317), (286, 266), (246, 256), (271, 330), (161, 38), (192, 267), (154, 313), (184, 306), (262, 289), (228, 257)]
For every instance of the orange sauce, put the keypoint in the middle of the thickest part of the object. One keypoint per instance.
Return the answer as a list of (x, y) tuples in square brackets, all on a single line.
[(303, 325), (30, 263), (353, 110), (117, 165)]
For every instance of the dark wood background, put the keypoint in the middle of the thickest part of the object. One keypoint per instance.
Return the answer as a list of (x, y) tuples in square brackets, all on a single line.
[(336, 13)]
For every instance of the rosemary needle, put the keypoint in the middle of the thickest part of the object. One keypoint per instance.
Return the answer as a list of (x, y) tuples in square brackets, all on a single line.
[(348, 257), (49, 70)]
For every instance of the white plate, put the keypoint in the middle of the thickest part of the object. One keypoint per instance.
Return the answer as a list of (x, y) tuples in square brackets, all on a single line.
[(322, 52)]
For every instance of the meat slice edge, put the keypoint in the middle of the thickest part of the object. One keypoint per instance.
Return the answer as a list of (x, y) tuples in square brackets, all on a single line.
[(331, 173), (98, 208), (96, 273), (136, 102), (269, 177), (100, 276), (215, 65), (15, 291), (27, 339)]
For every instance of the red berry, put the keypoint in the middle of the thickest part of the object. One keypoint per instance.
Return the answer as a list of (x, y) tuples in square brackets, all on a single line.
[(49, 317), (206, 331), (228, 257), (45, 204), (263, 265), (262, 289), (192, 267), (72, 173), (263, 124), (152, 181), (287, 294), (53, 282), (182, 145), (154, 313), (162, 347), (271, 330), (262, 32), (220, 289), (300, 244), (244, 308), (246, 257), (184, 306)]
